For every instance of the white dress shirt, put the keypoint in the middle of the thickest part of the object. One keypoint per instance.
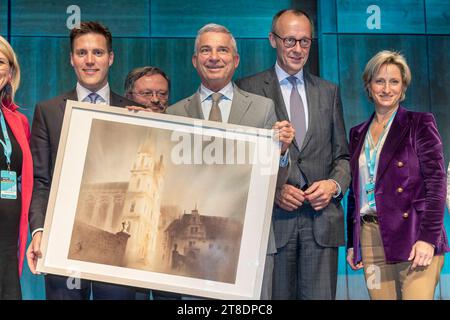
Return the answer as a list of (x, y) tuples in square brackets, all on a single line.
[(286, 88), (364, 172), (104, 94)]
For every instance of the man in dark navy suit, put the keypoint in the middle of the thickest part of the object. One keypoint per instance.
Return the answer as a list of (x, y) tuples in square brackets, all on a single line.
[(91, 57)]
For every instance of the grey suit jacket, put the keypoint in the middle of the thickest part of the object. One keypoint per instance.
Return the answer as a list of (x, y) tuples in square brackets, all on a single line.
[(323, 155), (247, 109), (45, 134)]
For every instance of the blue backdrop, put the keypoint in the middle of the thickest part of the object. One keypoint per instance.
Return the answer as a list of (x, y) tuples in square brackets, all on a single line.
[(162, 32), (350, 33)]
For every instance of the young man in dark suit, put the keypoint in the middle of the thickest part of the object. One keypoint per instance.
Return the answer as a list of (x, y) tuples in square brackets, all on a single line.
[(91, 57)]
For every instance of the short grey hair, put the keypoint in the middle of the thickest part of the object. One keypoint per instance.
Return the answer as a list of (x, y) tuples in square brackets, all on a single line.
[(213, 27), (382, 58)]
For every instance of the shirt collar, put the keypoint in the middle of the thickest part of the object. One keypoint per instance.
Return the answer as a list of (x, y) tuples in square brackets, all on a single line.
[(82, 92), (283, 75), (226, 91)]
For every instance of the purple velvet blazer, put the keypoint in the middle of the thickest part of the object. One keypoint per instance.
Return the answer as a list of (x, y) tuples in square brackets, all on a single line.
[(410, 188)]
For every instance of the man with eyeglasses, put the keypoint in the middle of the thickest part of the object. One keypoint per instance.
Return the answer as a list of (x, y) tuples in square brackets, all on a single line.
[(148, 86), (308, 218)]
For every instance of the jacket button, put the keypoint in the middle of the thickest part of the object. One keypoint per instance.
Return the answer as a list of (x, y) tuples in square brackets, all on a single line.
[(405, 215), (400, 190), (400, 164), (299, 161), (354, 220)]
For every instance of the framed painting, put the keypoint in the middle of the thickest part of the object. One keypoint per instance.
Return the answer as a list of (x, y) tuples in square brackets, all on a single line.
[(161, 202)]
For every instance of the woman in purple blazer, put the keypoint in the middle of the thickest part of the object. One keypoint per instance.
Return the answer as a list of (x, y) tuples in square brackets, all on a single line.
[(397, 197)]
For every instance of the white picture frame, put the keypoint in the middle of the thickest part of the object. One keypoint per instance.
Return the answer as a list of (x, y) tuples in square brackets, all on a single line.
[(97, 142)]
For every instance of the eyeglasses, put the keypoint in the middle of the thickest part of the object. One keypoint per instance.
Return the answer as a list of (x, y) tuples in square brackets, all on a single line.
[(159, 94), (291, 42)]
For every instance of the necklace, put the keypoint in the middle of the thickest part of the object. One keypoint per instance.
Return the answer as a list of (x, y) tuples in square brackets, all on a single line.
[(382, 123)]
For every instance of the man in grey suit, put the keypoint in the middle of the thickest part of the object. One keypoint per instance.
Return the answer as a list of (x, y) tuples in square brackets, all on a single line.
[(219, 99), (308, 217)]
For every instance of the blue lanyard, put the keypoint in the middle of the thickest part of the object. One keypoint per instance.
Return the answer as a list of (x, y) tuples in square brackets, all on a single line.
[(371, 160), (7, 147)]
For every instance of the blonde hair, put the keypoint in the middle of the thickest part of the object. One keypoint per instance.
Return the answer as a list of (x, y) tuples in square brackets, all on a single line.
[(382, 58), (14, 70)]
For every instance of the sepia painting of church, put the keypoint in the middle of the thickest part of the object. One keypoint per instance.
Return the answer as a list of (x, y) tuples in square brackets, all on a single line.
[(157, 218)]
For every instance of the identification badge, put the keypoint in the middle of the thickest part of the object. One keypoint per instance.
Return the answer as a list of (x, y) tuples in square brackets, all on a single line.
[(370, 191), (8, 184)]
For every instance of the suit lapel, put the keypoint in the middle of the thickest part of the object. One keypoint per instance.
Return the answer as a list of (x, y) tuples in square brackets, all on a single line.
[(71, 95), (119, 101), (357, 144), (272, 90), (396, 134), (193, 107), (239, 106), (114, 99), (357, 141)]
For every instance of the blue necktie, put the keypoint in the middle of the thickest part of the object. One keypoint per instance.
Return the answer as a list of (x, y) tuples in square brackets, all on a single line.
[(93, 98)]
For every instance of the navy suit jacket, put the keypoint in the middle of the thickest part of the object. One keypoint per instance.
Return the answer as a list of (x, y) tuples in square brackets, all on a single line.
[(45, 134)]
